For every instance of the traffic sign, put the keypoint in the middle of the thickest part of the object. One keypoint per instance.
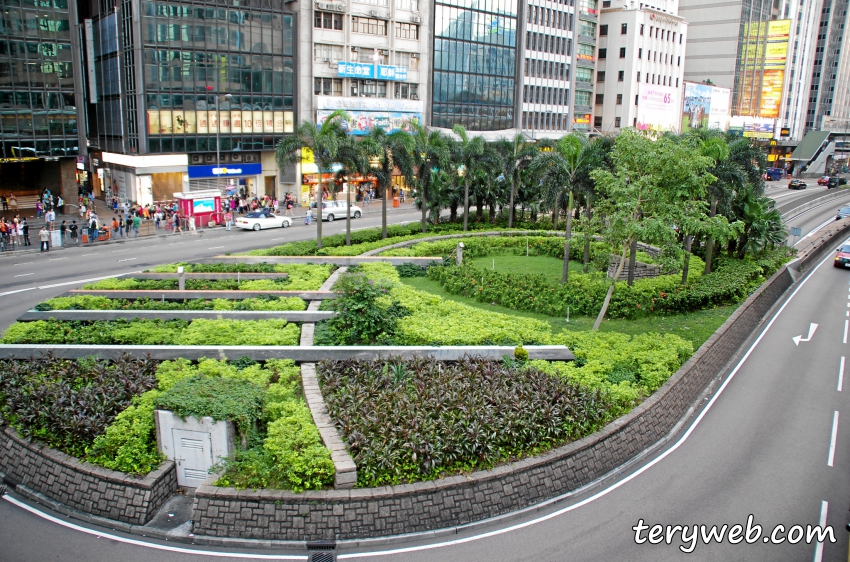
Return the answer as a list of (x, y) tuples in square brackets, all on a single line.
[(795, 231)]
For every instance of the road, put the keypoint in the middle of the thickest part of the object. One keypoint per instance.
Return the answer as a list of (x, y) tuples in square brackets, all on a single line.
[(773, 443)]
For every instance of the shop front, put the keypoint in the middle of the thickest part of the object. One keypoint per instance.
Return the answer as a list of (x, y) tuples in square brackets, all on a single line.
[(230, 180), (138, 179)]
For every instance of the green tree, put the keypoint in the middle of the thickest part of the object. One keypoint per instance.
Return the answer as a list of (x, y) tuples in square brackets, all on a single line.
[(465, 156), (431, 154), (517, 153), (354, 157), (325, 141), (388, 151)]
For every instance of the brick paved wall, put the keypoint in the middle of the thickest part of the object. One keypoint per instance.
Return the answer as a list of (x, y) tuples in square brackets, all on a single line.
[(347, 514), (83, 486)]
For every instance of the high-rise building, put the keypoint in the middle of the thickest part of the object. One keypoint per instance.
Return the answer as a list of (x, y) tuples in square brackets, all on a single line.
[(639, 75), (830, 71), (188, 94)]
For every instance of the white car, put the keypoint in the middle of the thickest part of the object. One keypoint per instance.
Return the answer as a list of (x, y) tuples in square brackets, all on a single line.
[(258, 220), (335, 210)]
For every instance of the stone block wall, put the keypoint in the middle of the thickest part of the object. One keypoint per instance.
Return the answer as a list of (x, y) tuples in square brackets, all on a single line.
[(423, 506), (642, 270), (83, 486)]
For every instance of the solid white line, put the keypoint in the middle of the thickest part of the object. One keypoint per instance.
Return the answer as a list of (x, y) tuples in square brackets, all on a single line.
[(845, 331), (25, 263), (79, 281), (128, 259), (24, 274), (841, 374), (18, 291), (147, 544), (832, 439), (215, 247), (824, 506), (57, 259), (84, 255), (628, 478)]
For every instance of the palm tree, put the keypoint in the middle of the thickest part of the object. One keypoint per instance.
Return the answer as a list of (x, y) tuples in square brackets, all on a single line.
[(563, 162), (388, 152), (355, 160), (517, 154), (487, 188), (325, 141), (431, 153), (467, 151)]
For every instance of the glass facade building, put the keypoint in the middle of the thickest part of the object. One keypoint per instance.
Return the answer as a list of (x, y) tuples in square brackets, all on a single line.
[(38, 101), (475, 58)]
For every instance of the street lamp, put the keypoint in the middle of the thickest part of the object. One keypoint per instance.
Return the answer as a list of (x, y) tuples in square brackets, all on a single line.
[(461, 171), (218, 138)]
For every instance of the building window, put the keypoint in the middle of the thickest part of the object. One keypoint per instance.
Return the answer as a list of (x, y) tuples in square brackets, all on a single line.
[(582, 98), (597, 121), (406, 31), (678, 61), (617, 122), (600, 75), (369, 88), (624, 28), (622, 52), (603, 30), (407, 91), (619, 99), (327, 86), (674, 37), (409, 5), (640, 53), (582, 74), (677, 82), (641, 29), (621, 75), (367, 56), (327, 53), (637, 96), (638, 76), (370, 26), (600, 99), (603, 53), (327, 20), (410, 60)]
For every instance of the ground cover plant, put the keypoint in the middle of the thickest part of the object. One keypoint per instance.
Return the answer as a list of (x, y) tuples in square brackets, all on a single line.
[(92, 302), (68, 404), (154, 332), (189, 267)]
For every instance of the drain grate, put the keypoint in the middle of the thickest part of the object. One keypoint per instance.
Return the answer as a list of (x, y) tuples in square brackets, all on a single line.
[(3, 491), (322, 551)]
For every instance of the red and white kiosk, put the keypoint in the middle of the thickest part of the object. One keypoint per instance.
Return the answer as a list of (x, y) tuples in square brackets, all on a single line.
[(205, 206)]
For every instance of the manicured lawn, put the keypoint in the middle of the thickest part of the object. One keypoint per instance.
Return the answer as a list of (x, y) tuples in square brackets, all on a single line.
[(696, 327), (549, 267)]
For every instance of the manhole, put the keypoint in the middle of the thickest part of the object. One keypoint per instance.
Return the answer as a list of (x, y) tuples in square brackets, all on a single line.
[(322, 551)]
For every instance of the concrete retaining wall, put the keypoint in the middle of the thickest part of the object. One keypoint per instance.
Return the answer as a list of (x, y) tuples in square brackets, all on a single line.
[(94, 315), (206, 276), (83, 486), (186, 295), (642, 270)]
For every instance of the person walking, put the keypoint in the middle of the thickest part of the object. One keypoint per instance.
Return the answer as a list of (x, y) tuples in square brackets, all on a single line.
[(72, 229), (63, 230), (177, 228), (137, 223), (93, 228), (228, 220), (60, 205), (25, 231), (192, 230), (44, 237), (13, 202), (122, 226), (38, 209), (5, 201), (50, 218)]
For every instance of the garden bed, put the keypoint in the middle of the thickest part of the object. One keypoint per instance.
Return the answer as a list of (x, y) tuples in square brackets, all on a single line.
[(91, 302)]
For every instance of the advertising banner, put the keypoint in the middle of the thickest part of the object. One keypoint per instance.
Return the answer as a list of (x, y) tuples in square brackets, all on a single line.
[(361, 122), (197, 172), (658, 108), (752, 127), (190, 121), (367, 71), (706, 107), (775, 59)]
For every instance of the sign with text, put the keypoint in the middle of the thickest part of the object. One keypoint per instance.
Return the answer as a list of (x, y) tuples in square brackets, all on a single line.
[(706, 107), (658, 108), (367, 71), (231, 170)]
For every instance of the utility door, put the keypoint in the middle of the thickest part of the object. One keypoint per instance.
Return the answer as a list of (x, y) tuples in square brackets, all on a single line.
[(193, 455)]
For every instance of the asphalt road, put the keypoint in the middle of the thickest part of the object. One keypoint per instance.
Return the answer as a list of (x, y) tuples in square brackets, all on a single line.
[(773, 443)]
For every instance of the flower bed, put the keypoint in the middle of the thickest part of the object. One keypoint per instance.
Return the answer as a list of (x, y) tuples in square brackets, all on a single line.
[(90, 302), (154, 332)]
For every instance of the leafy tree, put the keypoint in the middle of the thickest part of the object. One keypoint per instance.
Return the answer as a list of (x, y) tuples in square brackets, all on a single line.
[(486, 186), (354, 157), (466, 152), (431, 154), (388, 152), (517, 153), (325, 141)]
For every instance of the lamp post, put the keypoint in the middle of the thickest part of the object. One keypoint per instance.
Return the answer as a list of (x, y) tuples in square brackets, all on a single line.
[(218, 138), (461, 172)]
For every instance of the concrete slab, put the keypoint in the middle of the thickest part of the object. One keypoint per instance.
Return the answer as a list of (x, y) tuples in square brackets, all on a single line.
[(94, 315), (171, 295), (239, 276)]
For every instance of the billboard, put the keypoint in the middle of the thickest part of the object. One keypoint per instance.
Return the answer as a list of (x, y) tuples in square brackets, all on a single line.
[(190, 121), (752, 127), (361, 122), (775, 59), (658, 108), (706, 107)]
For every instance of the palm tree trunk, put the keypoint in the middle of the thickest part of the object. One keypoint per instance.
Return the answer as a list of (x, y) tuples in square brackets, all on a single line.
[(465, 204), (686, 265), (586, 258), (384, 214), (493, 211), (319, 206), (567, 235), (348, 215), (709, 244), (424, 205), (555, 215), (511, 205), (610, 292), (479, 209)]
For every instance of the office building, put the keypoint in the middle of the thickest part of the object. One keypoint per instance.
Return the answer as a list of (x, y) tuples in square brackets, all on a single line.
[(829, 93)]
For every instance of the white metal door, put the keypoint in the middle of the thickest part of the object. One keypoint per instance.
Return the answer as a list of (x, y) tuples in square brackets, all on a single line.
[(193, 454)]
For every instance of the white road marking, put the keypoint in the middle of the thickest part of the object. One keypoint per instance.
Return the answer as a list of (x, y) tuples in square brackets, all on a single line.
[(57, 259), (84, 255), (82, 281), (824, 506), (134, 542), (128, 259), (841, 374), (817, 228), (25, 263), (845, 331), (116, 251), (24, 274), (215, 247), (832, 439), (176, 243), (18, 291)]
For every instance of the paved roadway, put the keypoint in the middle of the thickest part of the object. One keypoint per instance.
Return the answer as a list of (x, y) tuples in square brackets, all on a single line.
[(773, 443)]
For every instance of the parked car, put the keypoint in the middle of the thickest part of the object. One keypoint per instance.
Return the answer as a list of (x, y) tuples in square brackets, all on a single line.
[(842, 258), (796, 184), (823, 180), (332, 210), (835, 182), (258, 220), (773, 174), (843, 213)]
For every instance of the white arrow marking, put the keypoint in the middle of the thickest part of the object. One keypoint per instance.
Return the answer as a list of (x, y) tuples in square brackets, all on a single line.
[(798, 339)]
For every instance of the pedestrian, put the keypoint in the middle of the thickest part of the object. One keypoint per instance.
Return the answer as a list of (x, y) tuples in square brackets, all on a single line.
[(60, 205), (38, 209), (401, 195), (121, 227), (192, 229), (5, 201), (44, 237), (228, 219), (115, 227), (13, 202), (93, 228), (25, 231), (137, 223), (177, 224), (72, 229), (50, 217), (63, 229)]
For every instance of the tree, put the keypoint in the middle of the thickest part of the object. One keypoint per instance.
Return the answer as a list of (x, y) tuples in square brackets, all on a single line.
[(325, 141), (558, 165), (644, 197), (598, 157), (517, 153), (388, 152), (466, 153), (431, 154), (486, 186), (355, 160)]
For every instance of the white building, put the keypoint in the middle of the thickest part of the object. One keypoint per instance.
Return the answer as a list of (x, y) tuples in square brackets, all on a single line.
[(640, 68)]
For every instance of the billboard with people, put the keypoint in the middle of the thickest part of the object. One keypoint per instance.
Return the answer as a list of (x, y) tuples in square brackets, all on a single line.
[(706, 107)]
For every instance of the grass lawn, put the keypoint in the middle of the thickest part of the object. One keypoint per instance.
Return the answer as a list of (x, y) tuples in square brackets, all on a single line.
[(549, 267), (696, 327)]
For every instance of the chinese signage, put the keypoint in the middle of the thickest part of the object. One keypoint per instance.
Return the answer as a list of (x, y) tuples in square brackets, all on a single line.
[(190, 121), (775, 58), (369, 104), (752, 127), (706, 106), (361, 122), (196, 172), (658, 108), (367, 71)]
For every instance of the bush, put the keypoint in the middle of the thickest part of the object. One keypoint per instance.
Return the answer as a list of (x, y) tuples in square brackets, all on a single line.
[(359, 319), (419, 420), (89, 302)]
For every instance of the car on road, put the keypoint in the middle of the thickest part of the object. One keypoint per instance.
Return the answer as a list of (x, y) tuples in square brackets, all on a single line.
[(823, 180), (842, 258), (258, 220), (773, 174), (796, 184), (332, 210), (843, 213), (835, 182)]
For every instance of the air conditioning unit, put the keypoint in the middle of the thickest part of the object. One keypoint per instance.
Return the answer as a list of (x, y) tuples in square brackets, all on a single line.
[(196, 159), (414, 97), (338, 7), (326, 59), (250, 157), (378, 14), (209, 158), (416, 19), (355, 49), (414, 55), (385, 52), (234, 157)]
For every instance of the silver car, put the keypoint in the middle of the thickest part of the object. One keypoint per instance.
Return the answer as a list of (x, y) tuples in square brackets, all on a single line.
[(332, 210)]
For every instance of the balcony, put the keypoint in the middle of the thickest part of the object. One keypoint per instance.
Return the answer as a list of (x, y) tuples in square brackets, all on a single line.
[(586, 39), (581, 85), (588, 14), (582, 109)]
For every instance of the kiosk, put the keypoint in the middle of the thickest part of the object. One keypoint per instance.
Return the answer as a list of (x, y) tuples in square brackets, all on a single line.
[(204, 205)]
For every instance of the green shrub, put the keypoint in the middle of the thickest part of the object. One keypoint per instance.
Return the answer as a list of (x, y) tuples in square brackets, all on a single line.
[(219, 398), (129, 444), (294, 441), (359, 319), (240, 332)]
